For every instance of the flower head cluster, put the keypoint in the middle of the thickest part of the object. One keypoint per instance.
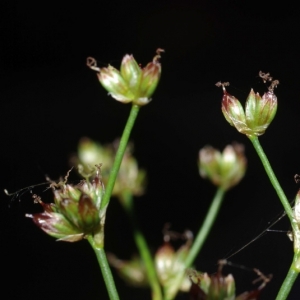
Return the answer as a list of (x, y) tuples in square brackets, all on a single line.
[(75, 212), (132, 83), (259, 111), (224, 169)]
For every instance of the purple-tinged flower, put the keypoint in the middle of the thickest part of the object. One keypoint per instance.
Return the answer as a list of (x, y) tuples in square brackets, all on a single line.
[(259, 111), (75, 212)]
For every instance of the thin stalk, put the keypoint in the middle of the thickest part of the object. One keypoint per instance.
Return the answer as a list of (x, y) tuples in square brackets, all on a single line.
[(288, 281), (201, 235), (206, 227), (119, 155), (293, 272), (105, 270), (284, 201), (143, 248)]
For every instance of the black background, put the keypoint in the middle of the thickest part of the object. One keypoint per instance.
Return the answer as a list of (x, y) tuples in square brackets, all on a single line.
[(50, 99)]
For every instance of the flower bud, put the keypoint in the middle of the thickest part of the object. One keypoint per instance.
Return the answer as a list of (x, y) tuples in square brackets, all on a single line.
[(76, 210), (223, 169), (132, 83)]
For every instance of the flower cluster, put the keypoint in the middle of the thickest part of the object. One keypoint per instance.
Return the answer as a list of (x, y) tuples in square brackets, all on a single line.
[(224, 169), (259, 111), (75, 213), (132, 83)]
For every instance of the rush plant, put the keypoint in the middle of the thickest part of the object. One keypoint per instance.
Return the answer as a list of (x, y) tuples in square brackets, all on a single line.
[(78, 212)]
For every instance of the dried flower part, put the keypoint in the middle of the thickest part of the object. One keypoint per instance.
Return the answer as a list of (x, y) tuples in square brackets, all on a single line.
[(132, 83), (132, 271), (76, 210), (259, 111), (216, 286), (220, 287), (130, 178), (223, 169)]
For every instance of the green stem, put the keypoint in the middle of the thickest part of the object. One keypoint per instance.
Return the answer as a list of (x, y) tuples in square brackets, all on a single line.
[(273, 179), (119, 155), (105, 269), (201, 235), (289, 280), (143, 248), (206, 227), (293, 272)]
